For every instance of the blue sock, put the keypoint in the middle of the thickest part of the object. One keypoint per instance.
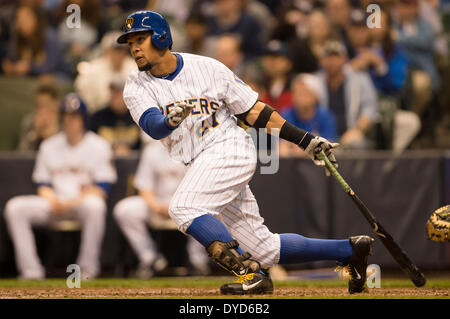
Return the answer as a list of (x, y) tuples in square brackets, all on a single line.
[(206, 229), (297, 249)]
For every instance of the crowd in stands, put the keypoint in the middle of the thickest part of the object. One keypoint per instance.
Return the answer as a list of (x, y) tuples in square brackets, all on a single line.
[(379, 75)]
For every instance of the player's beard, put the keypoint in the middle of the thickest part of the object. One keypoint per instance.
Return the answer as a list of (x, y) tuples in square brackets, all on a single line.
[(146, 67)]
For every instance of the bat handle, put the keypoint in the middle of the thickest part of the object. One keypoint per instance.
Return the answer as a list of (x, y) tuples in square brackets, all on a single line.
[(333, 171)]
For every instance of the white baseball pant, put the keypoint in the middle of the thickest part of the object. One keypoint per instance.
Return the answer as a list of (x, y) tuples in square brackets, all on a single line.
[(216, 183), (22, 212), (133, 215)]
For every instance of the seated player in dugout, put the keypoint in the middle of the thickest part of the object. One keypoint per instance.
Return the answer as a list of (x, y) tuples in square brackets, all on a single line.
[(73, 173), (214, 203), (156, 179)]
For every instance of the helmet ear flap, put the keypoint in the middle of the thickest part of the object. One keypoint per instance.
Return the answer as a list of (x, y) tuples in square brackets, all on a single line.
[(159, 39)]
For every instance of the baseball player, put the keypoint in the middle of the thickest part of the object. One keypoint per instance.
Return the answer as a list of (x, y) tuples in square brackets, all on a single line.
[(191, 103), (157, 177), (74, 172)]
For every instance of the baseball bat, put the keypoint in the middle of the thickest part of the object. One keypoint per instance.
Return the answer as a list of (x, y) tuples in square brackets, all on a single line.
[(416, 276)]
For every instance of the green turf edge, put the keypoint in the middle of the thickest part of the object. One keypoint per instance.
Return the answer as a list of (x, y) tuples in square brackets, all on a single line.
[(204, 282)]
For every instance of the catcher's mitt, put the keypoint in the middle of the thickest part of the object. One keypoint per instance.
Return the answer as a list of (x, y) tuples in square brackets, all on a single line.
[(438, 225)]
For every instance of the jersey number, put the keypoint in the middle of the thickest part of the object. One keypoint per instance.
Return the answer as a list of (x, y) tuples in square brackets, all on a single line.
[(204, 129)]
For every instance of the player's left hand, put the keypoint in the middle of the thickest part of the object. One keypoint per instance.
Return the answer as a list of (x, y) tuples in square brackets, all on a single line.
[(178, 113), (318, 144)]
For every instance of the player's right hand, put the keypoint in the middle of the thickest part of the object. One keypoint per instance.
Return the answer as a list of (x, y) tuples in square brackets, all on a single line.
[(178, 113), (318, 144)]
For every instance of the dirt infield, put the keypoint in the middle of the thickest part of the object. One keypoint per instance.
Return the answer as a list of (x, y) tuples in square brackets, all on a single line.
[(282, 292), (208, 287)]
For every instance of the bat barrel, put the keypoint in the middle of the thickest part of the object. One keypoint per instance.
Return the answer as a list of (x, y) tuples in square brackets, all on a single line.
[(394, 249), (417, 277)]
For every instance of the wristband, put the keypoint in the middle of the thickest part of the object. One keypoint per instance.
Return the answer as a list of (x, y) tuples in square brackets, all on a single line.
[(154, 124), (295, 135)]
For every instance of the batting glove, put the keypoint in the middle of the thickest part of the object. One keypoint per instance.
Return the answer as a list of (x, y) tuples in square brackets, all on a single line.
[(178, 113), (318, 144)]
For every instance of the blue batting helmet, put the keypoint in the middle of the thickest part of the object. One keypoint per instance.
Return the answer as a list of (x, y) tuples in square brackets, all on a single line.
[(72, 103), (148, 21)]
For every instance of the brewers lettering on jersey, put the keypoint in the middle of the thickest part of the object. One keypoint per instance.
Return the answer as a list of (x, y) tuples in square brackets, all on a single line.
[(191, 103)]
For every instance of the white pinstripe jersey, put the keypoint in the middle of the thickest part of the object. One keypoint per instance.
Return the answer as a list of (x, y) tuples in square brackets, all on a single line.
[(215, 90), (69, 168)]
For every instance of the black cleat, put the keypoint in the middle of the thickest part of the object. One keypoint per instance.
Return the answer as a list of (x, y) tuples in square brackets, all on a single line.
[(357, 264), (251, 283)]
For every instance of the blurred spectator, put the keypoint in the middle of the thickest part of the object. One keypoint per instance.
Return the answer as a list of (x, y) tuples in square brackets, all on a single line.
[(305, 51), (428, 11), (33, 48), (114, 12), (277, 70), (358, 32), (365, 58), (177, 9), (262, 14), (43, 122), (176, 13), (338, 11), (197, 41), (73, 172), (230, 17), (229, 52), (292, 21), (253, 76), (126, 5), (389, 80), (306, 112), (399, 127), (350, 95), (416, 36), (358, 36), (77, 42), (94, 77), (115, 124)]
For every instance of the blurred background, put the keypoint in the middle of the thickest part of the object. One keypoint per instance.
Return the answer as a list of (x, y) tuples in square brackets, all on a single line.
[(376, 80)]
